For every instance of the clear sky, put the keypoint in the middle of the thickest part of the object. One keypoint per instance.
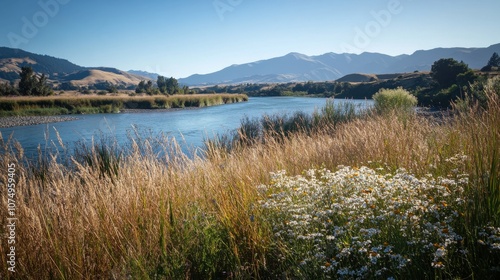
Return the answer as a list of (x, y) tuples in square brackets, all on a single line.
[(183, 37)]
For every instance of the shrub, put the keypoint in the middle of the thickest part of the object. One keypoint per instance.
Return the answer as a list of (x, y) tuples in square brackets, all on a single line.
[(334, 113), (387, 100)]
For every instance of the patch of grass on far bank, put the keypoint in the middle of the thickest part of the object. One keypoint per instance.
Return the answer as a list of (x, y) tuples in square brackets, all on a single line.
[(35, 112), (57, 105)]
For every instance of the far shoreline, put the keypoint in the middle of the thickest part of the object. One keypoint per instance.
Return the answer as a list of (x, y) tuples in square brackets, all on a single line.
[(92, 104), (17, 121)]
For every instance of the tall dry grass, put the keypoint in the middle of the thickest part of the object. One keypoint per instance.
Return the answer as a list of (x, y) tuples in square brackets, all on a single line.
[(163, 215)]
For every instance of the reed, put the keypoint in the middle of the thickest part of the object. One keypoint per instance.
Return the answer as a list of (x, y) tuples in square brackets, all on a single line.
[(108, 104)]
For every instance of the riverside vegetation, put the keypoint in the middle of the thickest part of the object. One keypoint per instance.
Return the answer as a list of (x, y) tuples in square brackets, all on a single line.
[(341, 194), (61, 105), (34, 97)]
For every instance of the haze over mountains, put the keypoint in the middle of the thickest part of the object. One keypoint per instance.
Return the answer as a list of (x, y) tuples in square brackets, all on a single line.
[(293, 67)]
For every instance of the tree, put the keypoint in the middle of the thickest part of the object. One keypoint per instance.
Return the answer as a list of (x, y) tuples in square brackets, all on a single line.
[(146, 87), (445, 71), (7, 89), (466, 79), (28, 81), (31, 85), (161, 82), (42, 89), (141, 87), (494, 60), (172, 86), (112, 88)]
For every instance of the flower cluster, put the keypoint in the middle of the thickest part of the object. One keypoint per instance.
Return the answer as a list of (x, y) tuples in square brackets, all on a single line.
[(359, 222)]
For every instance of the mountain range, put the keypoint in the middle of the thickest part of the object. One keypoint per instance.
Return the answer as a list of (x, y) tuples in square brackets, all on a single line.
[(296, 67), (293, 67)]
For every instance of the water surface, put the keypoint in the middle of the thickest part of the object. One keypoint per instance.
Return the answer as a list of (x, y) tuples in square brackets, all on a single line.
[(189, 126)]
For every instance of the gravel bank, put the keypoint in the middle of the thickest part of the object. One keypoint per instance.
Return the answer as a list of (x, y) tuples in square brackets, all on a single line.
[(32, 120)]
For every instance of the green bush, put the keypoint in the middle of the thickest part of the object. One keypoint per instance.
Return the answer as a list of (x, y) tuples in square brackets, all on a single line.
[(388, 100)]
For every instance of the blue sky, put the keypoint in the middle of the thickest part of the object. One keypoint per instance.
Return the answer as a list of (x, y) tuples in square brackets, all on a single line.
[(183, 37)]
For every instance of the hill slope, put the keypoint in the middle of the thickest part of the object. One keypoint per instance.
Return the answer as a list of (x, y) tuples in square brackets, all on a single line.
[(96, 76), (60, 70)]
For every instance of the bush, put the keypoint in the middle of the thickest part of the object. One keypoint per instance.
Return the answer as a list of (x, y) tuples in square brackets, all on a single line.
[(387, 100)]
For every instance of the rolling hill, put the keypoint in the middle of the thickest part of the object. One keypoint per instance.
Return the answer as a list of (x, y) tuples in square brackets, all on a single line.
[(61, 71), (97, 76)]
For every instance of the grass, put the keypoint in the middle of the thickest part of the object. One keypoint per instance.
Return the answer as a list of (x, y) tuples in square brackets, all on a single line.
[(55, 105), (386, 100), (279, 126), (147, 211)]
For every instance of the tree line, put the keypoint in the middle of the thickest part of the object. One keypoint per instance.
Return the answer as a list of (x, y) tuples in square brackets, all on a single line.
[(453, 80), (164, 86), (29, 85)]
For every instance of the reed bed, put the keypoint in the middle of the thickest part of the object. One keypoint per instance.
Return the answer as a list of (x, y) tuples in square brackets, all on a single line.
[(108, 104), (151, 212)]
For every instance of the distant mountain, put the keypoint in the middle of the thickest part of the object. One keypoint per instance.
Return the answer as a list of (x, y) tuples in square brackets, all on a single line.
[(148, 75), (61, 71), (296, 67)]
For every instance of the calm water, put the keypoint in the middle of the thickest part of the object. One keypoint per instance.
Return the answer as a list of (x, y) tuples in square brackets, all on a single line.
[(188, 126)]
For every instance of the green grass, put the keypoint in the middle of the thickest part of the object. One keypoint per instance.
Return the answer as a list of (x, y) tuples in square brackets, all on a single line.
[(387, 100)]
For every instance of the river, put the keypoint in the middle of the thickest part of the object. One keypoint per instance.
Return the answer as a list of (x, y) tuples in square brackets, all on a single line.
[(189, 126)]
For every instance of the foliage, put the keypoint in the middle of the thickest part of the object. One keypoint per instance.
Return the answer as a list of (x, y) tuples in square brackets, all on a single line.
[(168, 86), (453, 79), (493, 63), (6, 89), (494, 60), (388, 100), (31, 85), (164, 86), (146, 87), (445, 71)]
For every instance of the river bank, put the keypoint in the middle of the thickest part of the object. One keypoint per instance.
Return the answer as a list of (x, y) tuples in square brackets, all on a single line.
[(93, 104), (32, 120)]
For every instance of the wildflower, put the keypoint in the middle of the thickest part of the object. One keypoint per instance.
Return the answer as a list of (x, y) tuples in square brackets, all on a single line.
[(337, 217), (437, 265), (440, 252)]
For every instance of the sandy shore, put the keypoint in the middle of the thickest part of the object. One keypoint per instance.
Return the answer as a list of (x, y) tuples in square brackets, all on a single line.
[(32, 120)]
